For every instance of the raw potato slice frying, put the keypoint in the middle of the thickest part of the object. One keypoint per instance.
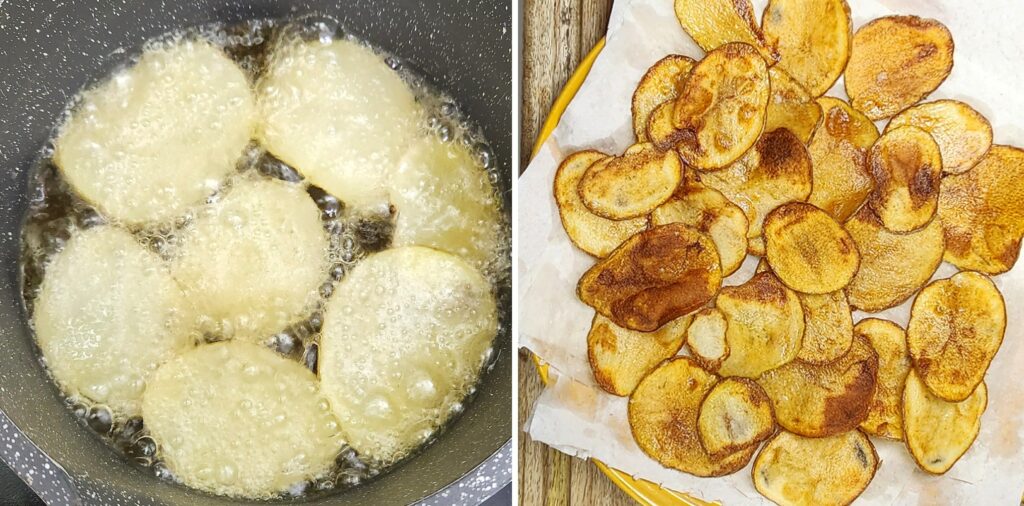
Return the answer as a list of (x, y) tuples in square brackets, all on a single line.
[(956, 327), (589, 232), (812, 38), (663, 414), (713, 23), (706, 210), (736, 414), (631, 185), (963, 134), (159, 137), (885, 415), (237, 419), (832, 471), (982, 212), (906, 165), (404, 338), (895, 62), (721, 109), (935, 451), (653, 278), (661, 83), (620, 358), (821, 400), (791, 106), (706, 339), (892, 266), (808, 250), (828, 331), (839, 154), (765, 325), (107, 314)]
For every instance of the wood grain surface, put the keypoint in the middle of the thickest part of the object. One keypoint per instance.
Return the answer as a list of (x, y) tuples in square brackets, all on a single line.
[(557, 34)]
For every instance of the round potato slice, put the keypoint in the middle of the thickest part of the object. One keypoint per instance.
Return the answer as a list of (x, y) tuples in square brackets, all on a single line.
[(889, 341), (812, 38), (663, 414), (808, 250), (895, 62), (631, 185), (159, 137), (661, 130), (956, 327), (714, 23), (736, 414), (838, 152), (721, 109), (906, 165), (235, 418), (963, 134), (791, 106), (404, 338), (799, 471), (828, 327), (620, 358), (958, 423), (108, 313), (661, 83), (253, 261), (892, 266), (706, 338), (706, 210), (765, 325)]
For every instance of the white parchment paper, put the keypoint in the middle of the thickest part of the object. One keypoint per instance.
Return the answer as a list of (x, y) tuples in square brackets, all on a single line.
[(578, 418)]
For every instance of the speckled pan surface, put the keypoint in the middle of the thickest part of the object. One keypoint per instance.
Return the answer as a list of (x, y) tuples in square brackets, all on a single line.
[(49, 50)]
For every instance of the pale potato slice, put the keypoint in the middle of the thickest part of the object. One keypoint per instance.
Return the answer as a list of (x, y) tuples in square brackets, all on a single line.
[(235, 418), (160, 136), (663, 414), (956, 327), (404, 338), (981, 212), (838, 151), (895, 62), (107, 314), (720, 111), (808, 250), (812, 38), (905, 164), (791, 106), (706, 210), (892, 266), (705, 338), (714, 23), (661, 83), (589, 232), (799, 471), (631, 185), (963, 134), (654, 277), (620, 358), (660, 128), (253, 261), (765, 325), (885, 415), (736, 414), (828, 327), (938, 432)]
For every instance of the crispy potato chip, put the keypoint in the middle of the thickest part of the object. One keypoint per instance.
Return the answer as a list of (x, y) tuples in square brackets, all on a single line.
[(956, 327), (654, 277), (821, 400), (755, 246), (661, 83), (885, 414), (892, 266), (828, 327), (706, 210), (808, 250), (736, 414), (906, 165), (663, 417), (895, 62), (631, 185), (839, 154), (661, 130), (791, 106), (798, 471), (982, 212), (706, 339), (713, 23), (812, 38), (720, 111), (939, 432), (963, 134), (620, 358), (765, 325)]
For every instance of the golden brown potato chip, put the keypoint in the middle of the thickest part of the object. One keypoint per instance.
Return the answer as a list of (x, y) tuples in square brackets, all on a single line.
[(892, 266), (736, 414), (631, 185), (956, 327), (620, 358), (589, 232), (808, 250), (765, 325), (654, 277), (659, 84), (706, 339), (895, 62), (839, 156), (663, 417), (906, 165), (755, 246), (791, 106), (798, 471), (713, 23), (828, 330), (820, 400), (982, 212), (721, 109), (812, 38), (963, 134), (939, 432), (706, 210), (885, 414), (661, 131)]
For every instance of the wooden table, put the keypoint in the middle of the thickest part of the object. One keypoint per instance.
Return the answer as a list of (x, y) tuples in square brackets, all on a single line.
[(557, 34)]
